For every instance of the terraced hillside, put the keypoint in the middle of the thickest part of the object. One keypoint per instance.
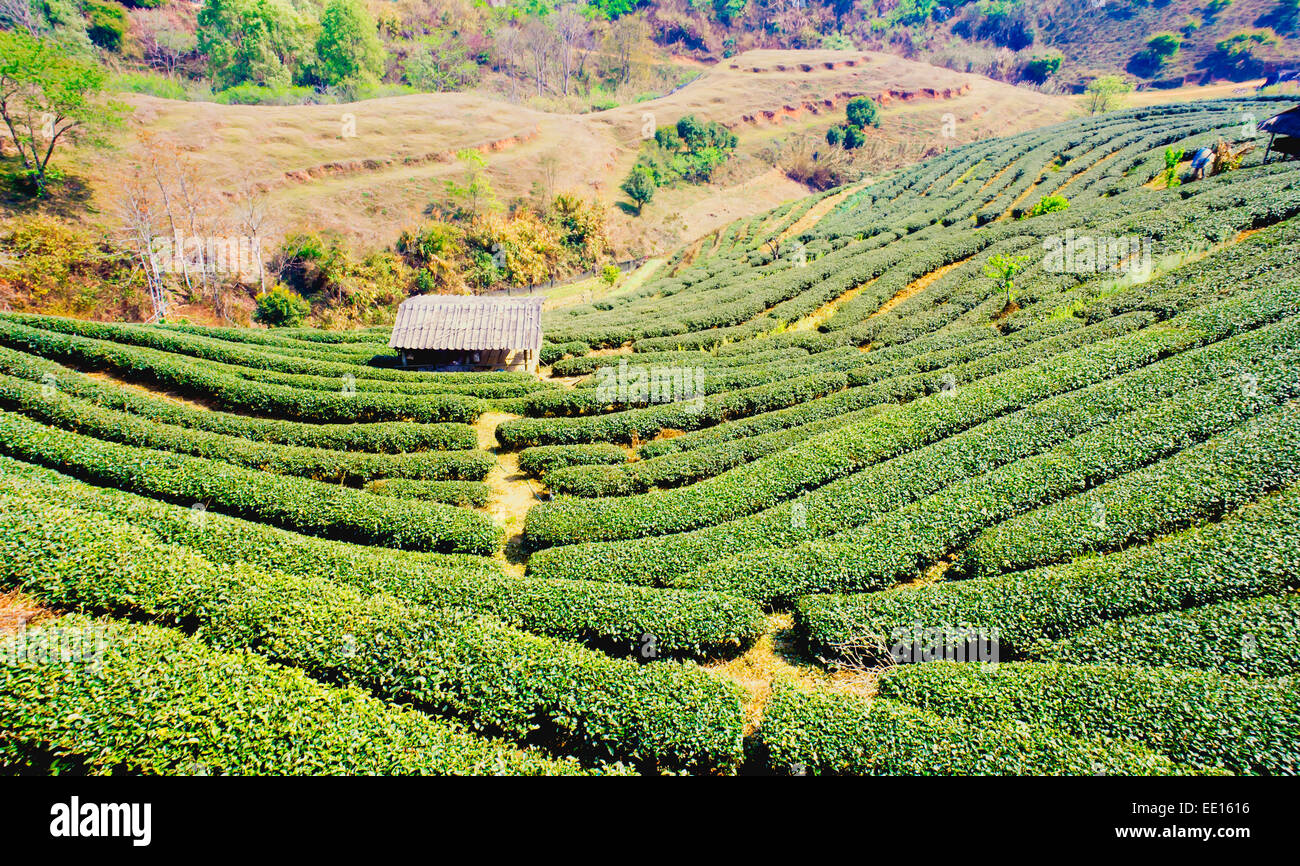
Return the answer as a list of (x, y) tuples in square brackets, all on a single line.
[(783, 486)]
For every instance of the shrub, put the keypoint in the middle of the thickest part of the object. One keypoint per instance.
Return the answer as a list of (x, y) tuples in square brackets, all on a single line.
[(668, 714), (157, 702), (1257, 637), (281, 308), (822, 733), (616, 618), (379, 437), (313, 507), (862, 112), (1198, 718), (542, 459), (1237, 558)]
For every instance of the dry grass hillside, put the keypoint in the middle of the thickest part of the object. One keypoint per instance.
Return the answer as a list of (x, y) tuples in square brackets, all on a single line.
[(369, 185)]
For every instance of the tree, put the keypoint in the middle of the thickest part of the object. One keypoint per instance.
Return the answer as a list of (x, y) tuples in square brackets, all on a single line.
[(47, 97), (252, 41), (835, 136), (853, 138), (863, 112), (475, 195), (1002, 269), (640, 187), (573, 35), (281, 308), (609, 275), (1103, 93), (348, 46), (1039, 69), (1172, 159)]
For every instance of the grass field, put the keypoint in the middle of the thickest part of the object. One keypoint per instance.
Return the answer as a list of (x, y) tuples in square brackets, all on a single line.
[(321, 176), (842, 504)]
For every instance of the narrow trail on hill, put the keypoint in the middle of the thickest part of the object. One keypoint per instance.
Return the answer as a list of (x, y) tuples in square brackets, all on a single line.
[(512, 493)]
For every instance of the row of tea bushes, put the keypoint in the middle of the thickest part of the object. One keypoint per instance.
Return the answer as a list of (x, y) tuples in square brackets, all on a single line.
[(154, 702)]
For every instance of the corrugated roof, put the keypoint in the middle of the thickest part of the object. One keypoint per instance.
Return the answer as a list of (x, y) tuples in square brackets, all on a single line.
[(1286, 123), (471, 324)]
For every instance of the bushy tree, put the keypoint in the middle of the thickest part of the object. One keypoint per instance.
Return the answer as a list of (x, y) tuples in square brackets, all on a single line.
[(281, 308), (1103, 93), (862, 112), (640, 187), (1041, 68), (260, 42), (348, 47), (48, 98)]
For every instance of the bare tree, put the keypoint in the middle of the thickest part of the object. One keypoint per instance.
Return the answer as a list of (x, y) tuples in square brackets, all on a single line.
[(625, 38), (138, 211), (253, 215), (18, 14), (165, 45), (509, 45), (572, 34), (539, 44)]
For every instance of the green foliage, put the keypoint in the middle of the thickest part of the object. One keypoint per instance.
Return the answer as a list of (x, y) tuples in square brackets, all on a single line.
[(1042, 67), (609, 275), (106, 23), (1046, 204), (347, 46), (445, 660), (639, 186), (260, 42), (862, 112), (1172, 160), (252, 717), (48, 97), (281, 308), (1104, 91), (831, 733), (1200, 719), (1002, 268)]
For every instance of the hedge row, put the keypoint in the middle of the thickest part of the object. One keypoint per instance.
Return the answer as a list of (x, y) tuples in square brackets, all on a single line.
[(828, 456), (892, 484), (238, 355), (1201, 719), (154, 702), (234, 392), (1197, 485), (1256, 637), (313, 507), (547, 458), (472, 494), (620, 618), (666, 715), (346, 467), (648, 422), (900, 545), (1252, 552), (672, 470), (828, 733), (388, 438), (590, 364)]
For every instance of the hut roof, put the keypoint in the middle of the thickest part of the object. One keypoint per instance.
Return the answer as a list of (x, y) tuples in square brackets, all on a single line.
[(1286, 123), (469, 324)]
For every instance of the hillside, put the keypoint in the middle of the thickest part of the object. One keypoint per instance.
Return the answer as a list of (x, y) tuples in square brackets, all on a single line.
[(370, 186), (991, 466)]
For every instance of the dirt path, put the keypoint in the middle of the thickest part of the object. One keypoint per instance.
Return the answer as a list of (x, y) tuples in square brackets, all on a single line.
[(513, 494), (776, 657)]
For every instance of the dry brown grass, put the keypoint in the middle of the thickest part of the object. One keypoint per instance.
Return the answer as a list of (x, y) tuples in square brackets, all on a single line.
[(18, 609), (368, 187)]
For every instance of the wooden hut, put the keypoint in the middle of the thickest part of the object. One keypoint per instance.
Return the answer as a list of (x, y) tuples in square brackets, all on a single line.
[(1287, 126), (454, 332)]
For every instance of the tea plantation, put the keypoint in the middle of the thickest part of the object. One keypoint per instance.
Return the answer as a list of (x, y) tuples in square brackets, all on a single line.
[(974, 522)]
